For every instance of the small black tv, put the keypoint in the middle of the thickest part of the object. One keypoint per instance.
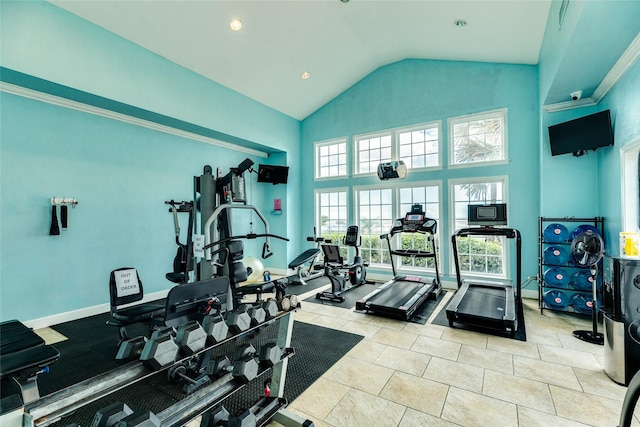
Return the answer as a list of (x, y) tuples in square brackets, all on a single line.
[(273, 174), (581, 135), (487, 215)]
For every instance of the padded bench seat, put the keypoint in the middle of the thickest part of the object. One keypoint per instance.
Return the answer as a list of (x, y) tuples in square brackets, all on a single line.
[(24, 355)]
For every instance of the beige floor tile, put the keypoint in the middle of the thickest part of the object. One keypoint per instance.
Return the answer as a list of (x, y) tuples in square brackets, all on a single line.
[(394, 338), (544, 338), (320, 398), (50, 335), (311, 307), (455, 374), (518, 390), (413, 418), (332, 310), (384, 322), (362, 375), (306, 316), (462, 336), (565, 356), (403, 360), (363, 329), (547, 372), (367, 350), (585, 408), (355, 316), (428, 330), (475, 410), (316, 422), (528, 417), (600, 384), (329, 322), (417, 393), (363, 409), (515, 347), (573, 343), (435, 347), (488, 359)]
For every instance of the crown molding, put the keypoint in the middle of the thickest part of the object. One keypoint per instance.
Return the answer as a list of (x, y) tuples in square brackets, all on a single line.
[(91, 109), (626, 60)]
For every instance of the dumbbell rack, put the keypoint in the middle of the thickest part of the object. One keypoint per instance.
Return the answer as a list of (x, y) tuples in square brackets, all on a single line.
[(50, 409)]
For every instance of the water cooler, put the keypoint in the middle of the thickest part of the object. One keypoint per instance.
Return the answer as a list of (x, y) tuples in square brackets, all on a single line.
[(621, 313)]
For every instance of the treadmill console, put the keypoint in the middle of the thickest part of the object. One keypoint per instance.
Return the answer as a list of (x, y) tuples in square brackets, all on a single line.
[(415, 222)]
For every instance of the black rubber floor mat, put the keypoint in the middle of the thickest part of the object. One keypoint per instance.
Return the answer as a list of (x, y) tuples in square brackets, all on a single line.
[(311, 285), (520, 335), (82, 357), (350, 297)]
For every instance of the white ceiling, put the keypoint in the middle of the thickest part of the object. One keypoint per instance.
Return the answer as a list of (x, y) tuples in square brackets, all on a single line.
[(338, 43)]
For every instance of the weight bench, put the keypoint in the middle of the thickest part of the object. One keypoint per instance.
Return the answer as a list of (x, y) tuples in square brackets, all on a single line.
[(24, 355)]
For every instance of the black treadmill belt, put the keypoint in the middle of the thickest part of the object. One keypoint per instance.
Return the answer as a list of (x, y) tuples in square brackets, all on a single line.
[(396, 295), (482, 301)]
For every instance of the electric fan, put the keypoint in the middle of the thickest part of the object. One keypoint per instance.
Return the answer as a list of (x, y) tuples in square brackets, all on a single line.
[(587, 249)]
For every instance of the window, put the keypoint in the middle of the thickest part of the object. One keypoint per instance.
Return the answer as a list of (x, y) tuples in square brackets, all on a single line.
[(478, 139), (419, 147), (429, 198), (331, 158), (371, 151), (331, 214), (375, 212), (484, 256)]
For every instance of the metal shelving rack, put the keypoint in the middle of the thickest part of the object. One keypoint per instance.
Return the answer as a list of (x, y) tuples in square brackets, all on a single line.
[(597, 222)]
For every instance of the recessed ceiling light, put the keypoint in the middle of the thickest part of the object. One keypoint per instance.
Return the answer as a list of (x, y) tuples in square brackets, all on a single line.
[(235, 24), (305, 75), (460, 23)]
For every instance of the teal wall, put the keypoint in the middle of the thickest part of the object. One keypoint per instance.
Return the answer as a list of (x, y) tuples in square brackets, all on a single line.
[(623, 101), (120, 173), (416, 91)]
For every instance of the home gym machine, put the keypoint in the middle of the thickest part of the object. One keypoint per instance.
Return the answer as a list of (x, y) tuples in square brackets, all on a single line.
[(488, 304), (183, 261), (340, 273), (404, 294), (306, 264)]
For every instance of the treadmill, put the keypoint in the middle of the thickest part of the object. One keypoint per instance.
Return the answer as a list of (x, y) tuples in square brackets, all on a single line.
[(401, 296), (487, 304)]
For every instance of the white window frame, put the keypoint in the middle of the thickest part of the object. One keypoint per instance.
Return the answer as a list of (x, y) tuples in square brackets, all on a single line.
[(437, 124), (356, 150), (499, 113), (395, 204), (630, 190), (317, 158), (318, 207), (452, 224)]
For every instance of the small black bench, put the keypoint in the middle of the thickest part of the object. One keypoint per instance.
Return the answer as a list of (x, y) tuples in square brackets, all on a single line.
[(24, 355)]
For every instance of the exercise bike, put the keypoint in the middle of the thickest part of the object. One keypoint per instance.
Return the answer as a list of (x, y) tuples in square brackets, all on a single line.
[(306, 264), (343, 277)]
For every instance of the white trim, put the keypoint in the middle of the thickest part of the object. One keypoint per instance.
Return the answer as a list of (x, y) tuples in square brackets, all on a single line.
[(626, 60), (630, 149), (81, 313), (421, 126), (337, 141), (502, 113), (568, 105), (356, 150), (79, 106)]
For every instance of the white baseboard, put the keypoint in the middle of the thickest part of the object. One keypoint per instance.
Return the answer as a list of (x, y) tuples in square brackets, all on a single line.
[(68, 316)]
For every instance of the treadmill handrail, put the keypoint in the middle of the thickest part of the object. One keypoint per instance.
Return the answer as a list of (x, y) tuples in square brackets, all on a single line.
[(413, 253), (510, 233)]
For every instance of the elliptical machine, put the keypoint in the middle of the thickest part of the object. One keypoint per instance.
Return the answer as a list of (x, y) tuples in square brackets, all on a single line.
[(340, 273)]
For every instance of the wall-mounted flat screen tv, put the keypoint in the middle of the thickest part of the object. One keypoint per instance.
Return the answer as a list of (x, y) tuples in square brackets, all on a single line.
[(581, 135), (273, 174)]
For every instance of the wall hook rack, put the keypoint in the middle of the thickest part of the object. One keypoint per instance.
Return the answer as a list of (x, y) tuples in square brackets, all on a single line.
[(64, 201)]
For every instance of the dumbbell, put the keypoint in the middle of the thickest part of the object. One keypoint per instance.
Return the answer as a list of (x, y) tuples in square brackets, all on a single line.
[(131, 349), (270, 307), (238, 320), (288, 302), (191, 337), (219, 417), (159, 351), (270, 354), (257, 314), (245, 419), (140, 418), (219, 366), (110, 415), (164, 330), (178, 373), (245, 366), (215, 328)]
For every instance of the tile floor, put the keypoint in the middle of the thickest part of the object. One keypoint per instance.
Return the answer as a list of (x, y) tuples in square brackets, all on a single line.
[(406, 374)]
